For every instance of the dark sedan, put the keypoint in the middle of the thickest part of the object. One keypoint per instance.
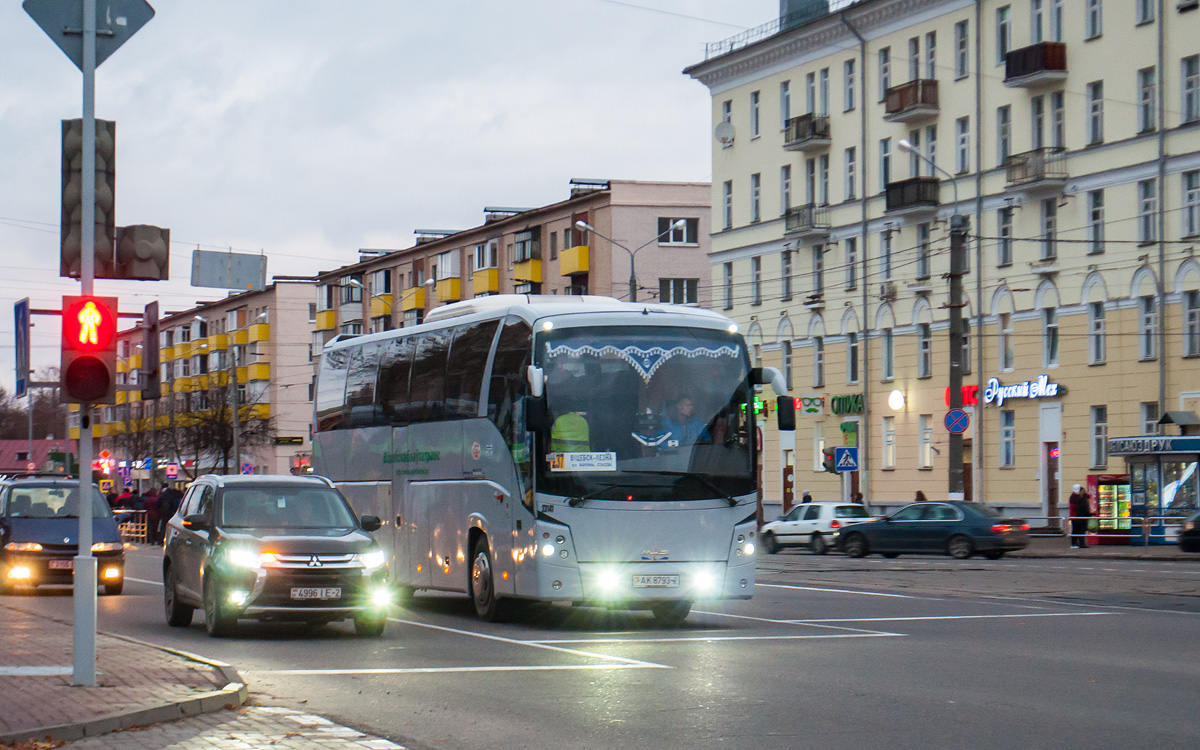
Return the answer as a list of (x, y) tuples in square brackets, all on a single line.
[(1189, 533), (954, 528)]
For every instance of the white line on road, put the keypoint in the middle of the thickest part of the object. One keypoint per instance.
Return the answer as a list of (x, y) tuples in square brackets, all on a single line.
[(834, 591), (143, 580), (432, 670), (714, 638), (953, 617)]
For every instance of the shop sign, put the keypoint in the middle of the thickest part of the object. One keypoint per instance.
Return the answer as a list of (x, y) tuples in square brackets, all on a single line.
[(1032, 389), (1135, 445), (813, 403), (851, 404)]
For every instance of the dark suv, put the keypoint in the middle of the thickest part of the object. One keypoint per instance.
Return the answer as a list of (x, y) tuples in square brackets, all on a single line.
[(39, 530), (272, 548)]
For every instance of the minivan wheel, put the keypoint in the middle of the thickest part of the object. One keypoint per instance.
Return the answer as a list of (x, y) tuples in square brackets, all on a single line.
[(959, 547), (818, 545), (769, 543), (855, 546), (179, 615), (217, 621)]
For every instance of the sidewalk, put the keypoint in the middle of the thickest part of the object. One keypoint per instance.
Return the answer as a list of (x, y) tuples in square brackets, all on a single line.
[(137, 683), (1060, 546)]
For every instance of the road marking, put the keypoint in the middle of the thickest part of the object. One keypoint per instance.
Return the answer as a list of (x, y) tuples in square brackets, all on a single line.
[(436, 670), (35, 671), (143, 580), (954, 617), (711, 638), (834, 591)]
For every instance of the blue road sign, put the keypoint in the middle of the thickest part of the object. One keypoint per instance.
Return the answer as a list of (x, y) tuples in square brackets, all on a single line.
[(116, 21), (21, 318), (845, 459), (247, 468), (957, 421)]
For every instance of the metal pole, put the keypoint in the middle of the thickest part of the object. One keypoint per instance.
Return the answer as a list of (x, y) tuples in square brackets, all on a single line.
[(30, 387), (85, 565), (632, 280), (958, 249), (233, 399)]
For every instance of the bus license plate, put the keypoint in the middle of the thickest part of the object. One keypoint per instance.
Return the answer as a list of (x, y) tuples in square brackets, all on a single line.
[(316, 593), (61, 564), (656, 582)]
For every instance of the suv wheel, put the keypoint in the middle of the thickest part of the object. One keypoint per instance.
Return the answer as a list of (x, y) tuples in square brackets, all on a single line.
[(370, 625), (217, 621), (179, 615)]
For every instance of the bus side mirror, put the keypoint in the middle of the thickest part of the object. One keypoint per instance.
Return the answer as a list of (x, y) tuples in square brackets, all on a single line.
[(537, 380), (786, 412), (537, 416)]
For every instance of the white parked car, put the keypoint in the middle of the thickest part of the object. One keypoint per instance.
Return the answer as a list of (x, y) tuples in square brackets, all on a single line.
[(815, 525)]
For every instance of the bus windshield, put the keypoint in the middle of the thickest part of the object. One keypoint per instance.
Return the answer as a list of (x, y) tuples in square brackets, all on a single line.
[(645, 413)]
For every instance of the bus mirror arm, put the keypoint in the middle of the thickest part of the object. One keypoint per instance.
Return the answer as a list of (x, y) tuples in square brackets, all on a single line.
[(772, 376), (537, 380)]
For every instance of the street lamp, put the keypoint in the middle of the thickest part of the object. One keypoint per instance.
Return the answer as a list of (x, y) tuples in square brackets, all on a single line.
[(359, 284), (678, 224), (958, 247)]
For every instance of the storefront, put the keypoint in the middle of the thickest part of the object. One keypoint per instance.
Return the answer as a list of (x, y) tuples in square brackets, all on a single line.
[(1163, 483)]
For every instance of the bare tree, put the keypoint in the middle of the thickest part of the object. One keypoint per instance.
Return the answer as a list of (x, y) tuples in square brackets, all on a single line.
[(203, 428)]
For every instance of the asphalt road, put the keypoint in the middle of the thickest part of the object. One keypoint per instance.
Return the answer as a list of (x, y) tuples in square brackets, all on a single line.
[(831, 652)]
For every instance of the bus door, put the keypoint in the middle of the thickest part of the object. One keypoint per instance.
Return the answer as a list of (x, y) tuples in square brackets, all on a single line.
[(411, 534)]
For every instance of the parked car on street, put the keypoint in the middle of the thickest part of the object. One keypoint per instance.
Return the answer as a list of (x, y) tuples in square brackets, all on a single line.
[(39, 530), (270, 547), (815, 525), (1189, 533), (955, 528)]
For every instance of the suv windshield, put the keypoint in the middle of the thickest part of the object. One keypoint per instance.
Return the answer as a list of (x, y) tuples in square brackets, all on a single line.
[(49, 501), (646, 413), (283, 507)]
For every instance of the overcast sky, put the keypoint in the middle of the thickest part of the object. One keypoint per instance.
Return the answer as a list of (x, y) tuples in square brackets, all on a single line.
[(306, 130)]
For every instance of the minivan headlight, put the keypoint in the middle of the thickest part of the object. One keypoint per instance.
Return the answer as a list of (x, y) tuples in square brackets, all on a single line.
[(373, 559)]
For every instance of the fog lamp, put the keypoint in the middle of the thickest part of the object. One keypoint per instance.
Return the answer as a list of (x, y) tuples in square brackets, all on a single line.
[(381, 597), (238, 598)]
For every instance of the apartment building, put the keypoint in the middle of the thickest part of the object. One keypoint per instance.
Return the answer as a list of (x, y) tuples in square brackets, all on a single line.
[(661, 228), (1068, 133), (258, 340)]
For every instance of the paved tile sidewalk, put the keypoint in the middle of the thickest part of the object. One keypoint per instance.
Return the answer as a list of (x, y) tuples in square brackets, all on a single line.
[(247, 728), (131, 676), (1059, 546)]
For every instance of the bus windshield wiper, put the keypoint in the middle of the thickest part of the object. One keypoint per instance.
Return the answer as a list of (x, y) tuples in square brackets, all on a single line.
[(698, 477), (575, 502)]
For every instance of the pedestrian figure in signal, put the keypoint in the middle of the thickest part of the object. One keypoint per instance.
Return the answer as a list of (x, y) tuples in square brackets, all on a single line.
[(1081, 511)]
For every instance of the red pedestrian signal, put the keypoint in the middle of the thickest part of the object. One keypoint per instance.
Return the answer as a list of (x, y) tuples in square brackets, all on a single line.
[(89, 349)]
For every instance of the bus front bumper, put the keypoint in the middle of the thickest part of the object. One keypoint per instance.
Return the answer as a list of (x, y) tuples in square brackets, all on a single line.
[(634, 582)]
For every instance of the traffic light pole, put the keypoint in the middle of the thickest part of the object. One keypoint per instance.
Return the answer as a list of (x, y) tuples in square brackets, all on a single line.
[(85, 565)]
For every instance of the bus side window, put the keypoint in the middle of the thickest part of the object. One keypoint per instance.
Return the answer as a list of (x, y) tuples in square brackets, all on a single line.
[(429, 377), (464, 369), (331, 389), (393, 380), (361, 409)]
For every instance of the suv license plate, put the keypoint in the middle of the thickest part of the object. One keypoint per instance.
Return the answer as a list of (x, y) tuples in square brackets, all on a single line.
[(656, 582), (61, 564), (316, 593)]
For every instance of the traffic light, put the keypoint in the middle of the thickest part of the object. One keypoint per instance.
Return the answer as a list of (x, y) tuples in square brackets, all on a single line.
[(143, 252), (72, 198), (827, 460), (89, 350), (150, 371)]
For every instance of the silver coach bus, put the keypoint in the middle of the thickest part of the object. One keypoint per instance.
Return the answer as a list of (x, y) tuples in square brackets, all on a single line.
[(563, 449)]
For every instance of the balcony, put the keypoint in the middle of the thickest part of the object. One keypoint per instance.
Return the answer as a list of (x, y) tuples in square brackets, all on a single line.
[(915, 196), (485, 281), (257, 371), (258, 332), (381, 304), (807, 222), (1036, 65), (806, 133), (528, 270), (1042, 170), (218, 342), (908, 102), (449, 290), (326, 320), (574, 260), (414, 299)]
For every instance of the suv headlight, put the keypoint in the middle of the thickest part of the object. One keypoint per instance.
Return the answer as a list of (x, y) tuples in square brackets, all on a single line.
[(246, 558), (373, 559), (107, 546)]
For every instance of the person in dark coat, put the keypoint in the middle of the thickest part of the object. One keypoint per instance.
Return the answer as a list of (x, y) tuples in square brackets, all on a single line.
[(168, 503), (921, 497), (806, 498), (1081, 510), (153, 519), (125, 499)]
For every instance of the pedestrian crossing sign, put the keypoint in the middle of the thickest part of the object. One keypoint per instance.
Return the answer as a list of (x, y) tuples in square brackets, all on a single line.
[(845, 459)]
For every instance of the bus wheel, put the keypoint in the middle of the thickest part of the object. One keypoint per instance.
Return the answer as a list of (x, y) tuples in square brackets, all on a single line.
[(671, 613), (483, 588)]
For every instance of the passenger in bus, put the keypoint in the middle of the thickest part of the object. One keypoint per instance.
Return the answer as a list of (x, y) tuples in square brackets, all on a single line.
[(685, 427), (570, 434)]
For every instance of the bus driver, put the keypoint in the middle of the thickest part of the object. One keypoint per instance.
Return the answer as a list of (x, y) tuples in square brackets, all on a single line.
[(682, 423)]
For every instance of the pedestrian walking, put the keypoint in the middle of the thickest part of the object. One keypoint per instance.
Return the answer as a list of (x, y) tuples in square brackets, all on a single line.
[(806, 498), (858, 498), (168, 504), (921, 497), (1081, 510), (150, 503)]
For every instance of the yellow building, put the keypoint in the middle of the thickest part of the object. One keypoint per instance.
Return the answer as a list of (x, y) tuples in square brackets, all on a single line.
[(1067, 132)]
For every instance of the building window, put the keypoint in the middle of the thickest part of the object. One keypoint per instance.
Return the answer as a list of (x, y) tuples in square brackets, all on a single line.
[(381, 282), (1006, 342), (914, 58), (785, 189), (1147, 208), (727, 204), (810, 181), (1049, 337), (914, 161), (1056, 20), (889, 354), (824, 91), (1037, 121), (931, 55), (819, 446), (818, 269), (785, 103), (351, 292), (1191, 203), (961, 50), (353, 327), (1145, 99), (885, 71), (669, 234), (1094, 21), (851, 262), (1035, 21), (851, 170), (1003, 34), (756, 280), (848, 85), (1003, 133), (924, 350), (931, 150), (885, 163), (889, 442), (1008, 439), (1049, 228), (818, 361), (810, 93), (381, 323), (1058, 119), (1190, 81), (1095, 97), (727, 110), (925, 438), (1145, 10), (785, 277), (754, 118), (755, 195), (1191, 323), (1095, 228), (1149, 414), (851, 357), (1097, 334), (823, 164), (312, 312), (962, 133), (1147, 328), (678, 291), (923, 251), (788, 364), (1099, 458), (1004, 248), (728, 286)]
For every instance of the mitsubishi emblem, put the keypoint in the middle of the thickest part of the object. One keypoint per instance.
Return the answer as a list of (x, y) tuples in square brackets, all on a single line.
[(314, 562)]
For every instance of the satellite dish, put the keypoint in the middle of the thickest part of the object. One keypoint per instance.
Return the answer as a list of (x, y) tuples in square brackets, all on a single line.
[(724, 132)]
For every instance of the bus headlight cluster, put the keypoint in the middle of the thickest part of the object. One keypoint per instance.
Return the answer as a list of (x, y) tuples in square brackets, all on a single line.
[(744, 547), (548, 549)]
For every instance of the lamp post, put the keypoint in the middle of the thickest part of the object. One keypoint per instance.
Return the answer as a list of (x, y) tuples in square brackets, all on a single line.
[(958, 248), (359, 284), (678, 224)]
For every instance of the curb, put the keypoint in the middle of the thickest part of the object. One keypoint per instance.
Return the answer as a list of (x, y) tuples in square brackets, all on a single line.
[(233, 694)]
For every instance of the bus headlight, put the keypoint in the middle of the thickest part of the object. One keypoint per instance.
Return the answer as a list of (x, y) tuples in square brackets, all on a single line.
[(609, 580), (547, 549), (748, 548), (704, 582)]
